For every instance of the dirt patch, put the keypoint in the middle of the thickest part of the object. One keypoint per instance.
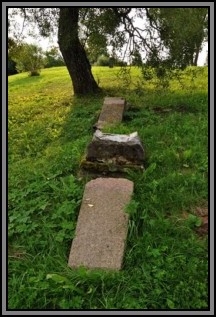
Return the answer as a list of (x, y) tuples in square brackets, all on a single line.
[(202, 213), (16, 254), (182, 108), (161, 110), (186, 170), (203, 229), (176, 108), (185, 215)]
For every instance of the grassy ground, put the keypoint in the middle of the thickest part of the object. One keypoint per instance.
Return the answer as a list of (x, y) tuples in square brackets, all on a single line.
[(166, 262)]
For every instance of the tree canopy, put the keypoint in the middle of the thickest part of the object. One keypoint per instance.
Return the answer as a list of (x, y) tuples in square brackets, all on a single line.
[(182, 31), (28, 58), (172, 36)]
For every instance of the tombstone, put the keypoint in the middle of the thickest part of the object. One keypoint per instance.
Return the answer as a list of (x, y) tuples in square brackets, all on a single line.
[(102, 225), (110, 152), (112, 112)]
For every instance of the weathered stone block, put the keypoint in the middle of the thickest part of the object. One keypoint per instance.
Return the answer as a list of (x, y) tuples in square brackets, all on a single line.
[(101, 230), (119, 149)]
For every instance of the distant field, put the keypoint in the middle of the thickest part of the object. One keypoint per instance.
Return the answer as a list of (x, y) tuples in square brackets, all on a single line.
[(166, 260)]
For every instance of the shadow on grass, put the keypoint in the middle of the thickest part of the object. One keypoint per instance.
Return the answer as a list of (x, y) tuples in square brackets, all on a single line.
[(81, 117), (24, 81)]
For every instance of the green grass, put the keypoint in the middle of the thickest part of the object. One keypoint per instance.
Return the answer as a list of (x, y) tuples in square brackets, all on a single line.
[(166, 263)]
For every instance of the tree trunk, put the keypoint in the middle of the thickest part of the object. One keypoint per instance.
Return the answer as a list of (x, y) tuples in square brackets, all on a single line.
[(196, 56), (74, 54)]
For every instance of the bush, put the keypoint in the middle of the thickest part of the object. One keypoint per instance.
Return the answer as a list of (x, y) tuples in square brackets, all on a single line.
[(103, 60), (53, 58), (120, 63), (29, 58), (11, 67)]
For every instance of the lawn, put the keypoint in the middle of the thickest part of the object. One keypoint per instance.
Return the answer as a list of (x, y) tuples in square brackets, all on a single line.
[(166, 259)]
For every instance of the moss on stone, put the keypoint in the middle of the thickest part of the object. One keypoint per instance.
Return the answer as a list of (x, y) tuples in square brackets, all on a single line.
[(108, 166)]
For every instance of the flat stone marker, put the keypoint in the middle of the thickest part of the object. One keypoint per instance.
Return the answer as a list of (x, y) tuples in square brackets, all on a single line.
[(101, 230), (111, 112)]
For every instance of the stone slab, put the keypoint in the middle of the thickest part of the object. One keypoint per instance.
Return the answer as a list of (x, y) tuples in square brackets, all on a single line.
[(111, 112), (101, 230), (120, 149), (114, 101)]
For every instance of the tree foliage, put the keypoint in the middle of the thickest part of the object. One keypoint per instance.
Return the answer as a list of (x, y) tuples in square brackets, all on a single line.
[(11, 67), (103, 60), (182, 32), (11, 63), (171, 37), (28, 58), (136, 58), (53, 58)]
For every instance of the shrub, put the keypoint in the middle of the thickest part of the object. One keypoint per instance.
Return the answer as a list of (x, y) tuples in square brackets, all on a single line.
[(53, 58), (103, 60), (11, 67), (29, 58)]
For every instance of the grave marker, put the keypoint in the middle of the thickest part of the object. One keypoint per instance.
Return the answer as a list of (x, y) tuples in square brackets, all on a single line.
[(101, 230), (111, 112), (114, 152)]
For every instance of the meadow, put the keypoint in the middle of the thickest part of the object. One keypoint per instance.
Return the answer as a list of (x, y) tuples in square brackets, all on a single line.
[(166, 259)]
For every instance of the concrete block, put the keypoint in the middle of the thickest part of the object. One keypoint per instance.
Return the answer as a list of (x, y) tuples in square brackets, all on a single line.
[(101, 230), (111, 112)]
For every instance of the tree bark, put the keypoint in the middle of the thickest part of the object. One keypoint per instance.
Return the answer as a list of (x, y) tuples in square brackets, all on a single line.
[(196, 56), (74, 54)]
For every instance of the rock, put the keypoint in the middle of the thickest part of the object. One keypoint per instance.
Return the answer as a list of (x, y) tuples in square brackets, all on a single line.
[(114, 149), (101, 230)]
